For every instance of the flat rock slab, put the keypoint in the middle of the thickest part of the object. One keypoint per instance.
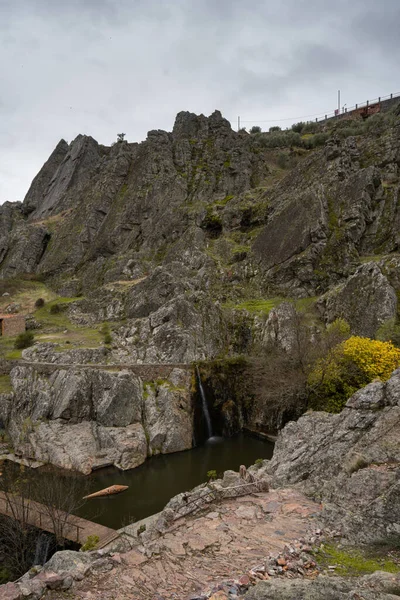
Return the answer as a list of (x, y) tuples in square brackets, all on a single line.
[(205, 550)]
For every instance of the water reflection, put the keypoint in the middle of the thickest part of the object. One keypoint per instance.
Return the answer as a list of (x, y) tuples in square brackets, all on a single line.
[(152, 484)]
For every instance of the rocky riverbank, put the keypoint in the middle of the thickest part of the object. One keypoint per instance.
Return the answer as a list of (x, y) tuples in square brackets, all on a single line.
[(82, 418), (257, 533)]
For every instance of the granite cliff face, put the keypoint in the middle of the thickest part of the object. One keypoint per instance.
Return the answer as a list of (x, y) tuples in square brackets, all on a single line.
[(202, 209), (349, 461), (173, 242), (82, 418)]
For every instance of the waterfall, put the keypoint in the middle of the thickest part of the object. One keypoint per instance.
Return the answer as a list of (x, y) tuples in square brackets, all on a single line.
[(42, 549), (204, 405)]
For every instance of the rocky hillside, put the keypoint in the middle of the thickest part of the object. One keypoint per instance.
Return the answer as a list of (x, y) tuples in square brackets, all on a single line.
[(186, 246), (207, 213)]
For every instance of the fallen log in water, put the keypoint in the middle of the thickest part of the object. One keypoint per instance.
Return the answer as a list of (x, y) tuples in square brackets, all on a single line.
[(113, 489)]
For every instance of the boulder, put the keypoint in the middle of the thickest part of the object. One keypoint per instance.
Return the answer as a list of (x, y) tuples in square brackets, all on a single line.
[(83, 418), (366, 300), (379, 586), (351, 461), (10, 591), (77, 564), (167, 412)]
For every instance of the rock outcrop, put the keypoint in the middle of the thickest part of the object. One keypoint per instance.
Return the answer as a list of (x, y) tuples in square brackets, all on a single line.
[(366, 300), (349, 461), (44, 178), (82, 418), (378, 586)]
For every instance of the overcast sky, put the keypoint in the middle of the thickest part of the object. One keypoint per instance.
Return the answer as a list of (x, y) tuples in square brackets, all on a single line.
[(104, 66)]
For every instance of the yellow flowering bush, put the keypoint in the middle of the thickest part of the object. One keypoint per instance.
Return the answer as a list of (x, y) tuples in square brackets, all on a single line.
[(349, 366), (374, 358)]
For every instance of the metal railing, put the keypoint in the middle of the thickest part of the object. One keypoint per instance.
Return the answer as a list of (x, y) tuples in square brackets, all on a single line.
[(351, 109), (28, 509), (345, 111)]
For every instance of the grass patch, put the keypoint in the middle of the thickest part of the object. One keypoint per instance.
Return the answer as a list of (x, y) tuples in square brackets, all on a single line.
[(7, 348), (153, 385), (372, 258), (5, 384), (53, 325), (48, 315), (305, 304), (261, 306), (223, 201), (13, 354), (25, 293), (354, 562)]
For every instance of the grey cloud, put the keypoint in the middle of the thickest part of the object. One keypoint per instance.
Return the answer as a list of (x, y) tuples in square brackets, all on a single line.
[(102, 66)]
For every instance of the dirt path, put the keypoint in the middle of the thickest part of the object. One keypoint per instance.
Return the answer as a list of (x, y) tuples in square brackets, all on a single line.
[(198, 552)]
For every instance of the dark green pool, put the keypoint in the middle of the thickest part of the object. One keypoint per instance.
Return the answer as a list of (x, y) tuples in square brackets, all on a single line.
[(160, 478)]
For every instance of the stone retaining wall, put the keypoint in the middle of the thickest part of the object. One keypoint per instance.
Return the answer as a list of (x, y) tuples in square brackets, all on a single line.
[(147, 372)]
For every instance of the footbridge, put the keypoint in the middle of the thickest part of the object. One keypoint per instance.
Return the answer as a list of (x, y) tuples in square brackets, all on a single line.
[(61, 524)]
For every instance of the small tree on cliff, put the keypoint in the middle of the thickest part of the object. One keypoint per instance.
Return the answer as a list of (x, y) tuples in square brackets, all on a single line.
[(121, 137)]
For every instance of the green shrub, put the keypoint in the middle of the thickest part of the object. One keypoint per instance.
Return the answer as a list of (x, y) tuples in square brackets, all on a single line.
[(106, 333), (255, 129), (55, 309), (348, 132), (39, 303), (283, 139), (211, 475), (298, 127), (24, 340), (91, 543), (282, 160), (389, 331), (274, 129), (310, 128), (321, 138), (350, 365), (313, 141), (141, 529)]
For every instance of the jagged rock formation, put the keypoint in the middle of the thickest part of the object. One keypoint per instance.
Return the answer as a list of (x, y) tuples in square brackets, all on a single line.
[(162, 238), (366, 300), (100, 202), (349, 461), (83, 419), (196, 210), (44, 179), (108, 213)]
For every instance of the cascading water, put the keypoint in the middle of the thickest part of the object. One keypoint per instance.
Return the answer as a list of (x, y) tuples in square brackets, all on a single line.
[(42, 549), (204, 405)]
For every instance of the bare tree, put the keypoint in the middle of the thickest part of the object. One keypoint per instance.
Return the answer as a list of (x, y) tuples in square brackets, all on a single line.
[(281, 379), (17, 534), (61, 498), (32, 502)]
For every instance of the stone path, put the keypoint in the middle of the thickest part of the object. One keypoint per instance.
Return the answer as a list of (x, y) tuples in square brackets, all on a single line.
[(199, 552)]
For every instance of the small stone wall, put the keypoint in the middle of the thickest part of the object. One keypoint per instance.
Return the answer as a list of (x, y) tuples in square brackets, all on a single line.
[(147, 372)]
